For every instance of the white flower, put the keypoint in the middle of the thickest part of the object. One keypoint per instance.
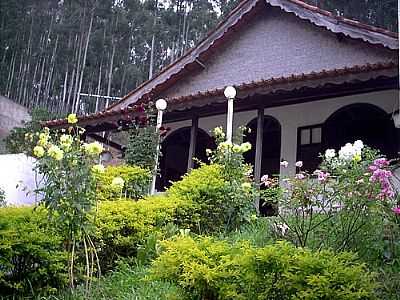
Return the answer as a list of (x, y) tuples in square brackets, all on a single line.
[(264, 178), (347, 152), (118, 182), (299, 164), (358, 145), (98, 169), (284, 163), (351, 151), (329, 154), (208, 151), (245, 147), (218, 131)]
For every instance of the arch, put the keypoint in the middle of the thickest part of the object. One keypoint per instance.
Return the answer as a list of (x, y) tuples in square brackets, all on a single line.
[(175, 152), (360, 121), (271, 152)]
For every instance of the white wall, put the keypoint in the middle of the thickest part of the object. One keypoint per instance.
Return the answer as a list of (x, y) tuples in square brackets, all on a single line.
[(17, 169), (298, 115)]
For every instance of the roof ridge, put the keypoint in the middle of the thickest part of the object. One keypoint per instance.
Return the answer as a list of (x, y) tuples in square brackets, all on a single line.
[(349, 21), (370, 34)]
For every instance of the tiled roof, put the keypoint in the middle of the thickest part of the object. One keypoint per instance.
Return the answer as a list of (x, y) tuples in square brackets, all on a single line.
[(136, 110), (324, 74), (237, 18)]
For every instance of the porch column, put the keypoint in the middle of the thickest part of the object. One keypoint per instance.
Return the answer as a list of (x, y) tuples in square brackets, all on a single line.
[(259, 145), (259, 150), (193, 138)]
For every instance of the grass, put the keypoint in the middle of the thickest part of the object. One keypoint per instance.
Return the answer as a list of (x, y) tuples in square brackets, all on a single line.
[(126, 282)]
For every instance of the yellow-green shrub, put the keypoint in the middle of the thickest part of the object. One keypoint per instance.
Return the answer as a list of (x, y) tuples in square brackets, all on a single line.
[(137, 182), (123, 224), (31, 252), (212, 269), (205, 189)]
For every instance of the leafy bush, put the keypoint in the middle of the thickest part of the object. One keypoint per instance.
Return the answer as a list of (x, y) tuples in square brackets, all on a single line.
[(136, 182), (217, 203), (211, 269), (31, 253), (142, 147), (121, 226)]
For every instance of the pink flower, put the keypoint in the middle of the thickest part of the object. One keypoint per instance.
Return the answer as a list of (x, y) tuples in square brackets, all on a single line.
[(381, 162), (299, 164), (396, 210), (300, 176), (322, 176)]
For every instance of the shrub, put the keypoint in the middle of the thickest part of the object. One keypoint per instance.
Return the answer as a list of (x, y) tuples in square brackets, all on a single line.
[(217, 202), (136, 182), (142, 146), (212, 269), (121, 226), (31, 253)]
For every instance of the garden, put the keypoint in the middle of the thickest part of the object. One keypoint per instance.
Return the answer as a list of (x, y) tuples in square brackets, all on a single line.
[(334, 233)]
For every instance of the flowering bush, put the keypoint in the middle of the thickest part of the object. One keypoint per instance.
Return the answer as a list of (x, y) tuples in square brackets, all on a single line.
[(344, 205), (239, 190), (69, 188)]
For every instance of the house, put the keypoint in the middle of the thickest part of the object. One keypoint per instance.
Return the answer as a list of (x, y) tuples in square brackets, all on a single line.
[(306, 80)]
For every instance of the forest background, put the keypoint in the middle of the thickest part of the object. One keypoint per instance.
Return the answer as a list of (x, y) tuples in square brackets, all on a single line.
[(52, 51)]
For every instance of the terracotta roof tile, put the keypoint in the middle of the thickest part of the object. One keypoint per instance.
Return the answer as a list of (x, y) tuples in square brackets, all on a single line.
[(136, 110), (237, 18)]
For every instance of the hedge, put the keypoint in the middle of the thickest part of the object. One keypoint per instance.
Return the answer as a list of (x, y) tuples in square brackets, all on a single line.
[(137, 182), (214, 269), (31, 252)]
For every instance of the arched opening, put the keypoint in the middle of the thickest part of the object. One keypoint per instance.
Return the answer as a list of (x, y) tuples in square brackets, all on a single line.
[(364, 122), (175, 153), (271, 152)]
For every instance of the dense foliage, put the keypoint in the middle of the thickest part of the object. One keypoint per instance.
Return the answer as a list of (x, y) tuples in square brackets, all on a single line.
[(54, 50), (136, 183), (23, 139), (212, 269), (32, 258), (348, 204)]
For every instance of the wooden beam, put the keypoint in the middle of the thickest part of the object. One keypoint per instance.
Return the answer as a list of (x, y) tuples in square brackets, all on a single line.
[(259, 145), (193, 138)]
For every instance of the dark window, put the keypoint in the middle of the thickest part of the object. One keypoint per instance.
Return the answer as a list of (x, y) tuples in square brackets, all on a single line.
[(309, 146)]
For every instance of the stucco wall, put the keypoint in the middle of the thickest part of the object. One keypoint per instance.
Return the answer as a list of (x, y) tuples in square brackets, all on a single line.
[(298, 115), (11, 115), (277, 44)]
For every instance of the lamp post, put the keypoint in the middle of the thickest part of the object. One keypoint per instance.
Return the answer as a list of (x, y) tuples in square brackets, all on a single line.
[(230, 93), (161, 106)]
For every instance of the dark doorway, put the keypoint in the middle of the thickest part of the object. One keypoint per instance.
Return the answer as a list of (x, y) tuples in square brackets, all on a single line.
[(364, 122), (175, 152), (270, 161)]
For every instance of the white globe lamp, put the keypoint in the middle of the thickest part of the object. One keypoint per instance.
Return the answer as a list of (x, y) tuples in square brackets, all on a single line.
[(161, 104), (230, 92)]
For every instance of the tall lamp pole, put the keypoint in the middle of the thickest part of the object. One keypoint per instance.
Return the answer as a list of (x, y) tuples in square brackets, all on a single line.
[(230, 94), (161, 106)]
